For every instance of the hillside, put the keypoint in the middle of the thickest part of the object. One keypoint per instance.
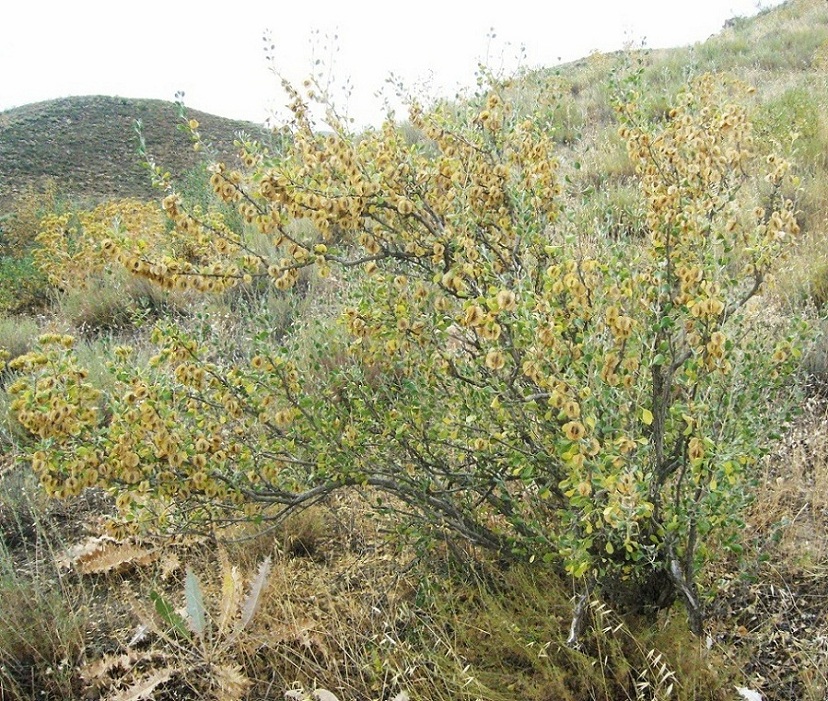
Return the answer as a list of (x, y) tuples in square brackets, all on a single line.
[(88, 145), (425, 442)]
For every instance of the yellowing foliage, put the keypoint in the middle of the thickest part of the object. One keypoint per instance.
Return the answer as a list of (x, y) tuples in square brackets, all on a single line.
[(72, 246), (21, 226)]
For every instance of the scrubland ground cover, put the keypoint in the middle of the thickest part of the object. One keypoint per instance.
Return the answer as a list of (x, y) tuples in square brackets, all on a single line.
[(522, 398)]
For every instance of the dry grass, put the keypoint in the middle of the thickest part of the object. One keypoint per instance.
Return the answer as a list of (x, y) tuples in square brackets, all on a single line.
[(17, 335), (48, 618), (792, 501), (342, 610), (116, 303)]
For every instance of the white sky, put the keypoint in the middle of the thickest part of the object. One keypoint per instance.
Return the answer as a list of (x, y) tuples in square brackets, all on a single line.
[(213, 50)]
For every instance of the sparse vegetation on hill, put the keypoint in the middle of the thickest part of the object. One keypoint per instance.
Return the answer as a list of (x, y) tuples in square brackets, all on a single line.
[(87, 145), (504, 397)]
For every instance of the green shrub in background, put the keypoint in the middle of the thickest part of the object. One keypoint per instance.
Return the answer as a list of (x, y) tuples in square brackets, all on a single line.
[(792, 122), (24, 288)]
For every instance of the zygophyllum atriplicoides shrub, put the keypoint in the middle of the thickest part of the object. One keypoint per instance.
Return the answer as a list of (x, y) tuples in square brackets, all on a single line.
[(505, 379)]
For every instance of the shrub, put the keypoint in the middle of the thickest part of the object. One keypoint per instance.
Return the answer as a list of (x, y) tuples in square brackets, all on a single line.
[(791, 121), (495, 377), (69, 243), (23, 288), (97, 293), (20, 225)]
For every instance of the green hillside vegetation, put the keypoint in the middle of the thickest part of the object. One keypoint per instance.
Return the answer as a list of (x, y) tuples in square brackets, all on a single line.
[(521, 397)]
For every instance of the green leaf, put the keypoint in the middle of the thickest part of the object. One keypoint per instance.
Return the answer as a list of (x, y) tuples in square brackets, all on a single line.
[(168, 614), (647, 417)]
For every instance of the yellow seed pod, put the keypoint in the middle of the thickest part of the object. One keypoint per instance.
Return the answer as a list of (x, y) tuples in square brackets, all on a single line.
[(405, 206), (547, 336), (259, 362), (572, 409), (283, 417), (506, 300), (474, 316), (71, 487), (556, 399), (495, 360), (623, 324), (490, 331), (574, 430), (695, 449)]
